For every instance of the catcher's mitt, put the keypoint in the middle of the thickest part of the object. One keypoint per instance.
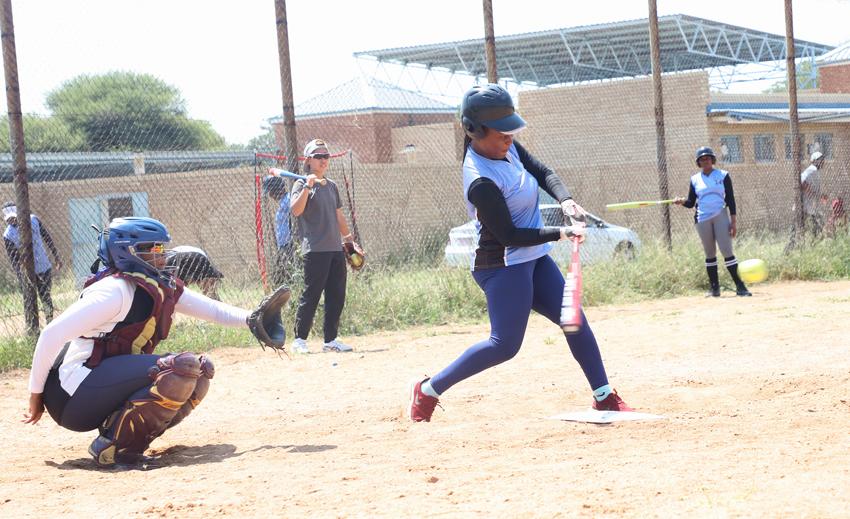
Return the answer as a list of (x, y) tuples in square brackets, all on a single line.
[(266, 323), (354, 255)]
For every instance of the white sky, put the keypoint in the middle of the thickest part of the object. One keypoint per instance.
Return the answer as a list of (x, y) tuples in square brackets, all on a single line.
[(222, 55)]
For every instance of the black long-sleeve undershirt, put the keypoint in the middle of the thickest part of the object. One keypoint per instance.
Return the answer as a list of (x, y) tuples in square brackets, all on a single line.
[(548, 180)]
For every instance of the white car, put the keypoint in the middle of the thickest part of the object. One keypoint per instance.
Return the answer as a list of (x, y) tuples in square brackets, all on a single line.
[(604, 241)]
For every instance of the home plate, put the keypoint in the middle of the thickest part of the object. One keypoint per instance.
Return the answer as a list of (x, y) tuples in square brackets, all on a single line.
[(594, 416)]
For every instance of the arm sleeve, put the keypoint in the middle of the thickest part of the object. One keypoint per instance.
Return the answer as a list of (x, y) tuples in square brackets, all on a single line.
[(202, 307), (692, 197), (97, 306), (493, 213), (48, 240), (12, 252), (730, 194), (546, 178)]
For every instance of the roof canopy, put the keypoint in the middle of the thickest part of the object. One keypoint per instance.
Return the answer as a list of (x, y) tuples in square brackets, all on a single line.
[(603, 51)]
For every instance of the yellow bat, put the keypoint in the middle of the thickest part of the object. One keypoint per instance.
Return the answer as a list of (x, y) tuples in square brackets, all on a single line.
[(635, 205)]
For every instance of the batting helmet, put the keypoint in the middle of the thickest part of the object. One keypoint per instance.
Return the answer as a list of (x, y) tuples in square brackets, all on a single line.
[(489, 106), (274, 186), (705, 151), (120, 242)]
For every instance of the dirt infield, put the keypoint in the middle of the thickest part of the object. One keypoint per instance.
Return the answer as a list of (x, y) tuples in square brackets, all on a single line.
[(755, 391)]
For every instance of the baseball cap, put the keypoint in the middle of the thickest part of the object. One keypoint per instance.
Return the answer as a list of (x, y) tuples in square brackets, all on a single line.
[(816, 155), (315, 146), (10, 212)]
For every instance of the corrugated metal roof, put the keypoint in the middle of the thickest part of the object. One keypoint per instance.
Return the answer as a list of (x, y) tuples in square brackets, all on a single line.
[(367, 95), (836, 55), (603, 51), (832, 112)]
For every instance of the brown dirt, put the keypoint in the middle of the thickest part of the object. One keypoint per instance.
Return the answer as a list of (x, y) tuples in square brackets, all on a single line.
[(755, 391)]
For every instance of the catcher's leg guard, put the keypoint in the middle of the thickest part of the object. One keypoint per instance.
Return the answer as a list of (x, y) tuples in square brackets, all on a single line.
[(201, 388), (127, 432)]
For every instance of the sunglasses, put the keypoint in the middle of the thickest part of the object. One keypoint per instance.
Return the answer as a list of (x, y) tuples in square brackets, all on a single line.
[(320, 156), (150, 248)]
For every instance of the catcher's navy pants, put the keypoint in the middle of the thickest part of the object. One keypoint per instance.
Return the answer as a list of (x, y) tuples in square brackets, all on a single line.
[(114, 381), (512, 292), (323, 272)]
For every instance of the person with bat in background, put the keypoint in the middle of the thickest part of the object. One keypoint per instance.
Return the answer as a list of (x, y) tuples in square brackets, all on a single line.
[(511, 263), (315, 201), (94, 366), (710, 191)]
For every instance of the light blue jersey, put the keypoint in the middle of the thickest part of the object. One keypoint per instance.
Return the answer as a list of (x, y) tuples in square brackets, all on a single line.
[(42, 262), (711, 193), (520, 190)]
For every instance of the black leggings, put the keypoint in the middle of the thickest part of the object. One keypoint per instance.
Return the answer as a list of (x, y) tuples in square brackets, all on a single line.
[(113, 382)]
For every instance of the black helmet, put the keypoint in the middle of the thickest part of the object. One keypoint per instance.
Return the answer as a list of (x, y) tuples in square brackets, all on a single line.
[(491, 106), (705, 151)]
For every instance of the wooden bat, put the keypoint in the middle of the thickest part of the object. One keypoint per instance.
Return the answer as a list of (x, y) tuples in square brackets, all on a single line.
[(277, 172), (635, 205), (571, 302)]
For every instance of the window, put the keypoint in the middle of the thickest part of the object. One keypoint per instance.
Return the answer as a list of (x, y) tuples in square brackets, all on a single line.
[(730, 149), (119, 207), (823, 144), (789, 150), (765, 148)]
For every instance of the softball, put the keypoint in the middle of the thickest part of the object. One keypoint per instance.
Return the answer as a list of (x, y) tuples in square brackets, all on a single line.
[(356, 259), (752, 270)]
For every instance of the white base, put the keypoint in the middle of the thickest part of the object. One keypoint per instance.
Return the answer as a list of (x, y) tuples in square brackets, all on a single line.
[(594, 416)]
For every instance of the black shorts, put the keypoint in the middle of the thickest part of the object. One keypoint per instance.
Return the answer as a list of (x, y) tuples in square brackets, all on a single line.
[(192, 267)]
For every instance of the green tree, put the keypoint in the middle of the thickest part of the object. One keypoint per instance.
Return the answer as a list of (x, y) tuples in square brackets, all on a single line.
[(264, 142), (44, 134), (121, 111), (805, 81)]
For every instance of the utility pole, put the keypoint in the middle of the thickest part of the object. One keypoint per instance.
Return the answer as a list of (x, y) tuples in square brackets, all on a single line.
[(490, 43), (16, 143), (660, 140), (290, 139)]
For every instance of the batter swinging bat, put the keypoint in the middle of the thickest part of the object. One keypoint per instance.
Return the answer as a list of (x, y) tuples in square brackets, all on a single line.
[(635, 205), (277, 172), (571, 302)]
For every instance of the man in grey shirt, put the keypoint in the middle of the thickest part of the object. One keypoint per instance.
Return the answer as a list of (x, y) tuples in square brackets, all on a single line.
[(317, 204)]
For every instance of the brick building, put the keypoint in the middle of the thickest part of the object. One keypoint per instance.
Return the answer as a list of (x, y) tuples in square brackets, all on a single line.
[(834, 69), (361, 115)]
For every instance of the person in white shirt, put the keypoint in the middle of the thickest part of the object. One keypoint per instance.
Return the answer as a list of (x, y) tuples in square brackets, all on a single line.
[(94, 366), (813, 197)]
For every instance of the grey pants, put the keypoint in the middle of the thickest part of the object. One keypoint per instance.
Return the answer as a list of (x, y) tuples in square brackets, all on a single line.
[(714, 233)]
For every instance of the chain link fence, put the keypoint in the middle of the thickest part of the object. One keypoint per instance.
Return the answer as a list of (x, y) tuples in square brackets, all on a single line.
[(122, 144)]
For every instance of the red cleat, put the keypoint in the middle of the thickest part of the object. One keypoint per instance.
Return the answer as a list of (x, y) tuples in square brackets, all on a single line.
[(612, 402), (421, 405)]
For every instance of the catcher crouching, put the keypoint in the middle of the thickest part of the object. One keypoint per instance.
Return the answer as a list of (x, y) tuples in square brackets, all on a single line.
[(94, 366)]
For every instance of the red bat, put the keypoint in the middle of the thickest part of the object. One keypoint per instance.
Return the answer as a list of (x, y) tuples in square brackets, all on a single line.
[(571, 302)]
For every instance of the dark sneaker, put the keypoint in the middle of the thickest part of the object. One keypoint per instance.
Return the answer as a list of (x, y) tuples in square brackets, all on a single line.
[(743, 292), (612, 402), (103, 451), (713, 292), (421, 405)]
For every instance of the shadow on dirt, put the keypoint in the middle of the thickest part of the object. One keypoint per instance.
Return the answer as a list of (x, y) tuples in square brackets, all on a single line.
[(184, 456)]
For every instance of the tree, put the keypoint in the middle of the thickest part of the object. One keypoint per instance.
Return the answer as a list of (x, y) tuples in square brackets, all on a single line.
[(44, 134), (265, 142), (805, 81), (125, 111)]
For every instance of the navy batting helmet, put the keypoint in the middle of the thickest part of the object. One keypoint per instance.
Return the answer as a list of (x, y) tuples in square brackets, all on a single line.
[(705, 151), (127, 236), (489, 106)]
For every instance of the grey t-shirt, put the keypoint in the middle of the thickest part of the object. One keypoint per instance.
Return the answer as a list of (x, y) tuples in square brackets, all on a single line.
[(319, 225)]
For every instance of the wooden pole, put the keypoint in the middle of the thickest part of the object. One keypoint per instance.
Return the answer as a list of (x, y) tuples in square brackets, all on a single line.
[(290, 138), (660, 139), (16, 143), (796, 145), (490, 43)]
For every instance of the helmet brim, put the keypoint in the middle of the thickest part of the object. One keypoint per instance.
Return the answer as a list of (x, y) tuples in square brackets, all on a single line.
[(509, 125)]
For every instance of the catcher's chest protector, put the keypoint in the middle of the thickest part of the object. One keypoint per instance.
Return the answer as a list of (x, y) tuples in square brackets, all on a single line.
[(144, 335)]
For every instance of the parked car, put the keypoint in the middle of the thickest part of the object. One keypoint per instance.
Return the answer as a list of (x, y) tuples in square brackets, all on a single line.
[(604, 241)]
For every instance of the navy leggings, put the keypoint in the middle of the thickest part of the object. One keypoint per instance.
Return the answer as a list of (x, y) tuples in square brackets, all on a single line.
[(114, 381), (512, 292)]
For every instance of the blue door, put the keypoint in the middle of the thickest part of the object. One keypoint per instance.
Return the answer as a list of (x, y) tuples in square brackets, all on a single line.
[(98, 211)]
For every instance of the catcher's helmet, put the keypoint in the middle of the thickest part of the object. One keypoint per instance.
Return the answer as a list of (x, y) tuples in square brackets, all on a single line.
[(120, 242), (491, 106), (705, 151)]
